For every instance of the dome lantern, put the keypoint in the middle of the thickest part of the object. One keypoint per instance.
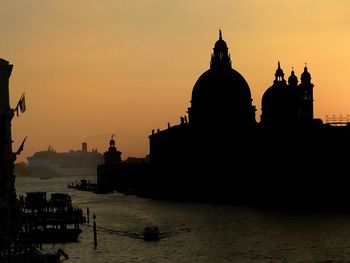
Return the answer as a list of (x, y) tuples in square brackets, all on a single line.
[(220, 58), (279, 75), (112, 141)]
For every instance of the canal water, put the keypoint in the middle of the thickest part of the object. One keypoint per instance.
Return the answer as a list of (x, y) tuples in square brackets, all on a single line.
[(196, 232)]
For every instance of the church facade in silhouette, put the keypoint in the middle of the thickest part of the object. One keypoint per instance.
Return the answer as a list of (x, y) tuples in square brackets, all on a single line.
[(219, 151)]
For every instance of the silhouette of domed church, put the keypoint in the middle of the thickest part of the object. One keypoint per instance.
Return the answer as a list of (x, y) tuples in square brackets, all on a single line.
[(221, 152), (221, 94), (288, 103)]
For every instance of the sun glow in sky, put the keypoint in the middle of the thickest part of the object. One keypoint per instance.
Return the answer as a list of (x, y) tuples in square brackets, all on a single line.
[(93, 68)]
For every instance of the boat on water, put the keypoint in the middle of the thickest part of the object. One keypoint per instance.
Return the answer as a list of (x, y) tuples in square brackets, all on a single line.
[(49, 221), (83, 185), (151, 233), (73, 163)]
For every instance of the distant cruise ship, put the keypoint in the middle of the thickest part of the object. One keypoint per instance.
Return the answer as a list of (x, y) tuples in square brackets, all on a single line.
[(72, 163)]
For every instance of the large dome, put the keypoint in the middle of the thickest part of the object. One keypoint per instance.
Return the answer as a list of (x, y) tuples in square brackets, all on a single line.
[(221, 96), (221, 86)]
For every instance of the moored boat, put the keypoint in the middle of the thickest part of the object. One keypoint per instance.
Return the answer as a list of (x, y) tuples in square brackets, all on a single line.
[(84, 185)]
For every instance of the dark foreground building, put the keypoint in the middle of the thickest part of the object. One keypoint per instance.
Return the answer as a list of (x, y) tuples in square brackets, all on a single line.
[(220, 152), (8, 203)]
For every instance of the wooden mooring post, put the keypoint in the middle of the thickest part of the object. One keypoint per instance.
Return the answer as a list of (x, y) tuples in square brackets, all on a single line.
[(95, 231), (88, 215)]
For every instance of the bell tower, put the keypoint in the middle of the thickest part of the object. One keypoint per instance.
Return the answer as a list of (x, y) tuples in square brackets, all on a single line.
[(279, 75), (112, 156), (307, 99)]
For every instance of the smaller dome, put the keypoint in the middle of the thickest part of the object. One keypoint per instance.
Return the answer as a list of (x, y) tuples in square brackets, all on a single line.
[(305, 76), (293, 80), (274, 95)]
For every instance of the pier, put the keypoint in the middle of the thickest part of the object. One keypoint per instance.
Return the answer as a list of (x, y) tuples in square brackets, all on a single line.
[(50, 221)]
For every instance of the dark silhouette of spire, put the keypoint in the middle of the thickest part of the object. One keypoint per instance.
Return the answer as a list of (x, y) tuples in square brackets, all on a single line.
[(279, 75)]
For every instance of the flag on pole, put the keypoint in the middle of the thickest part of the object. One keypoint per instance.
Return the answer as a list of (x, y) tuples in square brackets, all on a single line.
[(21, 105), (20, 148)]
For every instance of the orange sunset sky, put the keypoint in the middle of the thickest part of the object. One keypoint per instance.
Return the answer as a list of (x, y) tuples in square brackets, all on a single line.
[(93, 68)]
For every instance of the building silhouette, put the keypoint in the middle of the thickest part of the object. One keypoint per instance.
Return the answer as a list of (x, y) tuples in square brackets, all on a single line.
[(221, 153), (288, 103), (8, 203), (221, 97), (123, 176)]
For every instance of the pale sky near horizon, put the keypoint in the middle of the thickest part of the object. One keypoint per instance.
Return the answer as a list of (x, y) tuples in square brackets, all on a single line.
[(93, 68)]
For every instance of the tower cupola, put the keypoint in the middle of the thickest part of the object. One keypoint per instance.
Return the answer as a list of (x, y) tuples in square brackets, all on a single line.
[(112, 156), (279, 75), (305, 76), (293, 80), (220, 58), (112, 141)]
